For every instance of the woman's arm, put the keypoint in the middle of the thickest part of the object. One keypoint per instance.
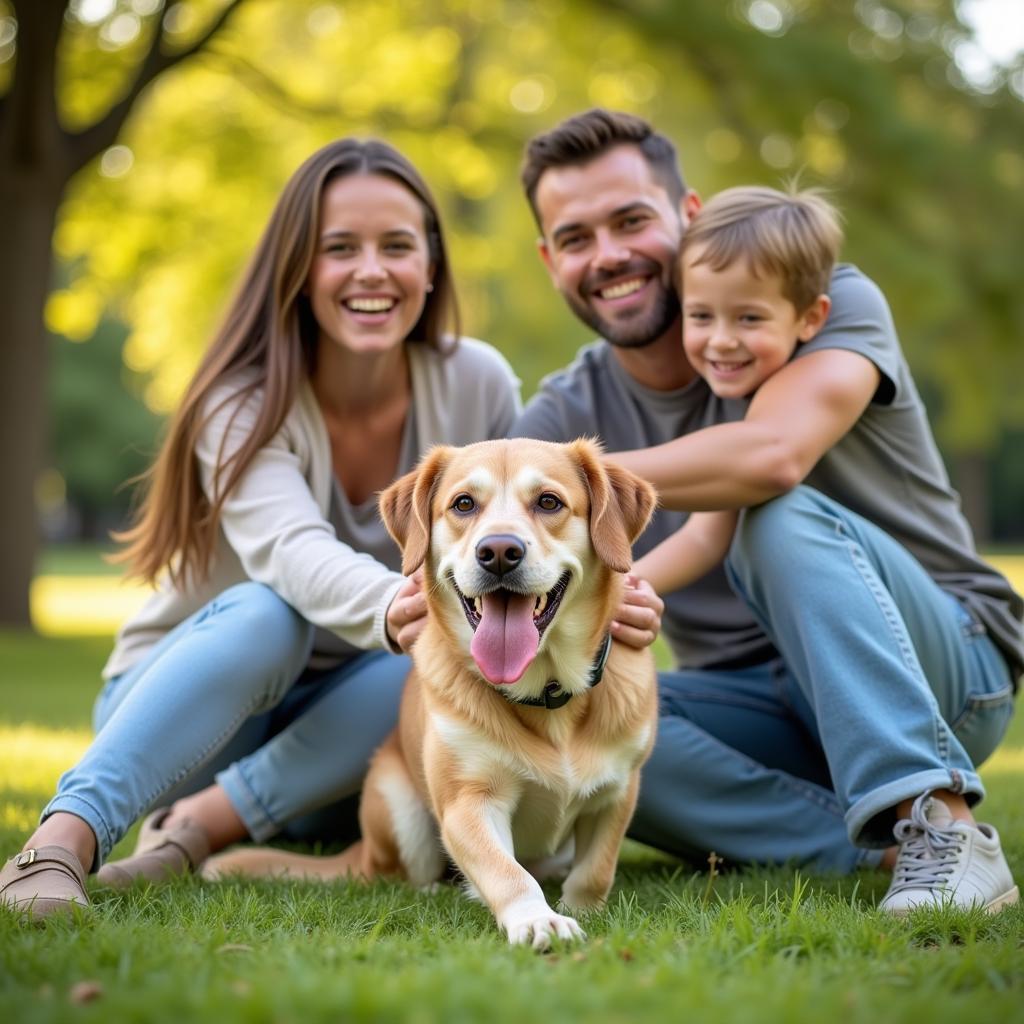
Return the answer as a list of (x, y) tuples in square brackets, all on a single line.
[(275, 526), (689, 553)]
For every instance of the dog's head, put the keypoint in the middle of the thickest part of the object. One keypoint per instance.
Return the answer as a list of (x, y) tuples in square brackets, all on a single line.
[(519, 541)]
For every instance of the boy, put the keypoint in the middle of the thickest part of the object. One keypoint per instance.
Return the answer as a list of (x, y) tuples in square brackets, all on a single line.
[(755, 266)]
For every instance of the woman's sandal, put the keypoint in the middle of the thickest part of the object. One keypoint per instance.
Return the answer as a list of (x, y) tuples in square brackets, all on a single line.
[(160, 854), (43, 881)]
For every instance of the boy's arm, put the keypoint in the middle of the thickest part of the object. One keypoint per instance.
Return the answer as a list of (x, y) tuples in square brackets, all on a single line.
[(796, 416), (691, 552)]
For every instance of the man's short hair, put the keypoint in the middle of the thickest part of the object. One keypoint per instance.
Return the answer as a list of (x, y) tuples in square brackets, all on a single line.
[(584, 137), (792, 235)]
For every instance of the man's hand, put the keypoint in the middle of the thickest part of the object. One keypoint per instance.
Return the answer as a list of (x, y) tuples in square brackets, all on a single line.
[(638, 618), (407, 614)]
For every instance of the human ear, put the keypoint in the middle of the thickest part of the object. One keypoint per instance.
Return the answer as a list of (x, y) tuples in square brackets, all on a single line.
[(689, 206), (813, 318)]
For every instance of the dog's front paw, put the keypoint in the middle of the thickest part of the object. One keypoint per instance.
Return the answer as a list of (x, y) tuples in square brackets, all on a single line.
[(534, 922)]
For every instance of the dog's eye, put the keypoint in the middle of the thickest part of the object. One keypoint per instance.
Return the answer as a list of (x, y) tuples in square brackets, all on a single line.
[(548, 503), (464, 504)]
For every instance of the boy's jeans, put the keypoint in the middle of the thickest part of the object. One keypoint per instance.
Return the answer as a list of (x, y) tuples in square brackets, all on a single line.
[(226, 696), (885, 687)]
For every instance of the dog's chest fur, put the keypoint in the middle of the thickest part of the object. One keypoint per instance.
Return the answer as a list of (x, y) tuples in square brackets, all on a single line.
[(545, 782)]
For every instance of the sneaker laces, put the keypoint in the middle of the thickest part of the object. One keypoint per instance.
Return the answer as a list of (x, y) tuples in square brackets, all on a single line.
[(928, 854)]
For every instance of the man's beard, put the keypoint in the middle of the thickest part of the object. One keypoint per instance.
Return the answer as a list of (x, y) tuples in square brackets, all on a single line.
[(643, 329)]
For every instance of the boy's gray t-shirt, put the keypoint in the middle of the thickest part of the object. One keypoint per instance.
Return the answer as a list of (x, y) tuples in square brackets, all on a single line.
[(887, 468)]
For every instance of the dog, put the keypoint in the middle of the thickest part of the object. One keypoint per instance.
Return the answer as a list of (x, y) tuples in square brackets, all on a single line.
[(522, 727)]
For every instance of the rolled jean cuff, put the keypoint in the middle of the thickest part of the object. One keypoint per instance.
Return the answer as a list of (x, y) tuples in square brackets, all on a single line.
[(867, 823), (256, 818), (80, 808)]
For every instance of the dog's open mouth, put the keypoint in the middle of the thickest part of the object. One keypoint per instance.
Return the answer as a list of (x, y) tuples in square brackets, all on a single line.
[(507, 627)]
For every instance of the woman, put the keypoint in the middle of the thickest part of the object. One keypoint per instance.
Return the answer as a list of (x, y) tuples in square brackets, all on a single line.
[(254, 685)]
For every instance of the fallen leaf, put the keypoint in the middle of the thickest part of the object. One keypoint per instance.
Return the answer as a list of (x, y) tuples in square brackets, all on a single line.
[(84, 992)]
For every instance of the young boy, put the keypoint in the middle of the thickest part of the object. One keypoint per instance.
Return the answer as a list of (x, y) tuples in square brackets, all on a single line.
[(755, 265)]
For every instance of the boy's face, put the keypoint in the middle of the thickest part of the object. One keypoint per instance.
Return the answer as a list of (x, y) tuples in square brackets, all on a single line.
[(738, 328)]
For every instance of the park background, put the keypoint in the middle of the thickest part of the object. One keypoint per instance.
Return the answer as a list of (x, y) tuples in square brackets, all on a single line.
[(142, 145)]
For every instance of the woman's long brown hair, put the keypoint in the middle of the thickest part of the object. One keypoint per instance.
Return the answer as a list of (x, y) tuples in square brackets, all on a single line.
[(270, 334)]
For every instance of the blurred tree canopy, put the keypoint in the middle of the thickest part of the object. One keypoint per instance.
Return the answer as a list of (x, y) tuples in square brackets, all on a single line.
[(220, 101)]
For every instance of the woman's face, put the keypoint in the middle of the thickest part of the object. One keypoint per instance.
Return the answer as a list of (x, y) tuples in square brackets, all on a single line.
[(368, 281)]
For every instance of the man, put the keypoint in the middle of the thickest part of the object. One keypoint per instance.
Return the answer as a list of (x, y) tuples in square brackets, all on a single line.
[(841, 700)]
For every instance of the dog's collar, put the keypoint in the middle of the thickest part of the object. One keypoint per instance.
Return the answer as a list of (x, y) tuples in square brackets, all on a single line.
[(555, 697)]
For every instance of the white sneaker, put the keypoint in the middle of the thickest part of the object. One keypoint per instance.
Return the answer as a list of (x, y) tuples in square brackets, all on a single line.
[(944, 863)]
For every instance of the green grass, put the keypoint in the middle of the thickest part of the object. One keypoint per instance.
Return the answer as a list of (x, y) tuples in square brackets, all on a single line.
[(754, 946), (77, 560)]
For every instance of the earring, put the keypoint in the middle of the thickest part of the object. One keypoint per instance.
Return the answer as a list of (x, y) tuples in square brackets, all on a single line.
[(430, 287)]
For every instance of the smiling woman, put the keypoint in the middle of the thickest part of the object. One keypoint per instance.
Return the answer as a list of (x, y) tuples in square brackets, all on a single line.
[(249, 691)]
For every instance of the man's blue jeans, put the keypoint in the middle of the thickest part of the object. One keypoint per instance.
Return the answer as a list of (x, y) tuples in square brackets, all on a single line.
[(226, 696), (885, 687)]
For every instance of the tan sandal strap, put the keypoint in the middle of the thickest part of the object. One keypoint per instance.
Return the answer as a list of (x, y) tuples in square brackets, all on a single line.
[(42, 858)]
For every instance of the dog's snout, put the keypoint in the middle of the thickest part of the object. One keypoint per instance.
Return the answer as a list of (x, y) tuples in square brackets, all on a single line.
[(500, 553)]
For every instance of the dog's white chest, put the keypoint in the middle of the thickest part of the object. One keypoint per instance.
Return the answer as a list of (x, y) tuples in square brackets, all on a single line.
[(543, 800)]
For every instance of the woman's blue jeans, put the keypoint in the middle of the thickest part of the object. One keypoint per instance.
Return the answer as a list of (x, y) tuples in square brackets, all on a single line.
[(226, 696), (885, 687)]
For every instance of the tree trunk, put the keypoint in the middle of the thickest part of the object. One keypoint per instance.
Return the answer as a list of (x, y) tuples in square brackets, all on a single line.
[(28, 208)]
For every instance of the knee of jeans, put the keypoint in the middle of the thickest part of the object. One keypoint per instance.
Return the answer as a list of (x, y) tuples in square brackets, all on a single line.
[(771, 534), (279, 634)]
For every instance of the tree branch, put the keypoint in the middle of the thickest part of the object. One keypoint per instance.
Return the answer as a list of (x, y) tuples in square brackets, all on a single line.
[(268, 88), (81, 147)]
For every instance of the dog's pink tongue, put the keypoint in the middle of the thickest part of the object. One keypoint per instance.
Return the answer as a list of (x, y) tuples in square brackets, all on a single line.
[(506, 640)]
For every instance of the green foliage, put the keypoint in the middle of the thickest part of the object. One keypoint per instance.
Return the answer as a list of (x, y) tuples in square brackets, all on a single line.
[(864, 98), (103, 434)]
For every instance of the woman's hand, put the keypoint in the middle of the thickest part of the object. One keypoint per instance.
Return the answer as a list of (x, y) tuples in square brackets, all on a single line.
[(407, 614), (638, 618)]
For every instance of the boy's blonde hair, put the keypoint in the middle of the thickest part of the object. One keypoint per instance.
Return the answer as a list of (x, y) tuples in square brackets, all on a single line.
[(793, 235)]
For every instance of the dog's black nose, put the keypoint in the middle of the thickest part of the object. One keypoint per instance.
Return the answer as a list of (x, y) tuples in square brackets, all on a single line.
[(500, 553)]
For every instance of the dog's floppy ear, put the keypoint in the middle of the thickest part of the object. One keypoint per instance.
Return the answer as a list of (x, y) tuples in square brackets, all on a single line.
[(405, 508), (620, 506)]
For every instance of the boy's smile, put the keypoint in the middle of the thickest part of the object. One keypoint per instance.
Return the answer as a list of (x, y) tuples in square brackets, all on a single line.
[(738, 327)]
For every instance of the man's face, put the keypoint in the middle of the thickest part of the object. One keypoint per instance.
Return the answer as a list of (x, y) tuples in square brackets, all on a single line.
[(610, 238)]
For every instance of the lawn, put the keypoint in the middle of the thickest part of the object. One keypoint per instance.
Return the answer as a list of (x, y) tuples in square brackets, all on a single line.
[(762, 946)]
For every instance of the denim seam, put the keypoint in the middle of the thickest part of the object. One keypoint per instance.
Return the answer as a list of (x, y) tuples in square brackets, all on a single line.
[(863, 567)]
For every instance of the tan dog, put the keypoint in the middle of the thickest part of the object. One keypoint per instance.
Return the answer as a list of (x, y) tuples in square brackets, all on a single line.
[(514, 749)]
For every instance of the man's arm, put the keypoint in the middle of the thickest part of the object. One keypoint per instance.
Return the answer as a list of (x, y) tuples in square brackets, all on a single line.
[(796, 416)]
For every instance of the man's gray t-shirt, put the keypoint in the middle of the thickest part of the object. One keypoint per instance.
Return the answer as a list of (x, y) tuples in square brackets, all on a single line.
[(887, 468)]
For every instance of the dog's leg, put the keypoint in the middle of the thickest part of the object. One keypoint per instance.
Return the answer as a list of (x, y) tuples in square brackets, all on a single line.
[(599, 836), (477, 831), (399, 830)]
